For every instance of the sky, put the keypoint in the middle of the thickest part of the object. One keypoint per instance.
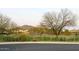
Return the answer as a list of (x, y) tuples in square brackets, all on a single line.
[(27, 16), (30, 16)]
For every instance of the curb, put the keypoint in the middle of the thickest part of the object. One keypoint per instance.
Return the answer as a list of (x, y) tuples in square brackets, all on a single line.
[(39, 43)]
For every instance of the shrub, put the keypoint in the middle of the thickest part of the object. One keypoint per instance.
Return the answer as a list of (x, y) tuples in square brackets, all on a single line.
[(23, 37)]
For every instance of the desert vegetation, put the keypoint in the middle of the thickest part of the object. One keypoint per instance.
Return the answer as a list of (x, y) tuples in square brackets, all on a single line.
[(51, 28)]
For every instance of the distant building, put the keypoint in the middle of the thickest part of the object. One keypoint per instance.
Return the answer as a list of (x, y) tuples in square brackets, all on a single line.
[(74, 32)]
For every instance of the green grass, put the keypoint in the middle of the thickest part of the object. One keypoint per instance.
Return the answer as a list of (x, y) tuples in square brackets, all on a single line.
[(17, 38)]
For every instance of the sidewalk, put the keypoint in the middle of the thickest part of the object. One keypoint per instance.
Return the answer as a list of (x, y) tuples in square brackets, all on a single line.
[(39, 43)]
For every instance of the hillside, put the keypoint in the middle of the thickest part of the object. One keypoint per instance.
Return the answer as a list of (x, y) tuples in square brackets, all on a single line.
[(26, 27)]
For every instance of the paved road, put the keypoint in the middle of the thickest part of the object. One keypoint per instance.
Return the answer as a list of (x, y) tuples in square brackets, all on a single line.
[(39, 47)]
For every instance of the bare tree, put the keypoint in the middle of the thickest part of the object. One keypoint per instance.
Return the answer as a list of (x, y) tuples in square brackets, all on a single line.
[(13, 25), (58, 20), (6, 24)]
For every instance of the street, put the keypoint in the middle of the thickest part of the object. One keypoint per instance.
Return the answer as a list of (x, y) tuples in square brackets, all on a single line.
[(39, 47)]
